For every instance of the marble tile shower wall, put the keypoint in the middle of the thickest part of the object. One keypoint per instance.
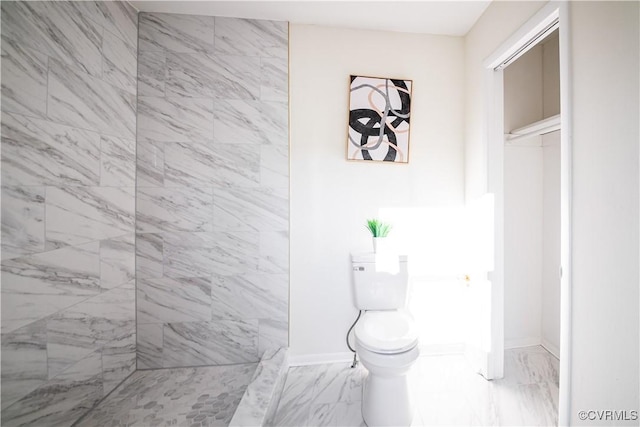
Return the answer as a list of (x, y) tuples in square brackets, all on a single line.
[(212, 190), (68, 206)]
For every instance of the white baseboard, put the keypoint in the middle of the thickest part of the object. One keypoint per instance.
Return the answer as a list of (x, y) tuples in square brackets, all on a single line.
[(521, 342), (347, 357), (550, 348), (318, 359), (425, 350)]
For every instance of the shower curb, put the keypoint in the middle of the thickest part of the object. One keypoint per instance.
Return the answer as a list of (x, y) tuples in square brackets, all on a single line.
[(262, 396)]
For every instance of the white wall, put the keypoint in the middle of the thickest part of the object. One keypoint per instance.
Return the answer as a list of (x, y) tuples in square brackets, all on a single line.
[(330, 197), (522, 245), (605, 57), (550, 324), (523, 103), (496, 24), (550, 286), (551, 75)]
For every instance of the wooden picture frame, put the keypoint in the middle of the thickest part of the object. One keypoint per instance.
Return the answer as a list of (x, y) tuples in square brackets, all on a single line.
[(379, 119)]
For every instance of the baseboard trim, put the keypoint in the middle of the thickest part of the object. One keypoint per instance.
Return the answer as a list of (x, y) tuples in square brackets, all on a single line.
[(550, 348), (425, 350), (347, 357), (521, 342)]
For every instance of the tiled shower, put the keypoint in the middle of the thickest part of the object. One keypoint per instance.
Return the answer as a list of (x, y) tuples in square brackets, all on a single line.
[(212, 193), (145, 198)]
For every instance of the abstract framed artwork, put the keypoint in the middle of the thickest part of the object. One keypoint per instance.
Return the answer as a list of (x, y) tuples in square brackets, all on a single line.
[(379, 117)]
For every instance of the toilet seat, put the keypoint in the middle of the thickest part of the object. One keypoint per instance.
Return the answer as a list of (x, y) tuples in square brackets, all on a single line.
[(386, 332)]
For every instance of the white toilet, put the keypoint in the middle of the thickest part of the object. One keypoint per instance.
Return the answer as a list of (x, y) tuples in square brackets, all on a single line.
[(385, 339)]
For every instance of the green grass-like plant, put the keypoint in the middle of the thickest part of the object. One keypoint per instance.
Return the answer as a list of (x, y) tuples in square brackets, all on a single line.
[(378, 228)]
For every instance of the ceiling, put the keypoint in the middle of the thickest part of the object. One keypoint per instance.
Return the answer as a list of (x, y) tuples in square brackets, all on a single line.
[(452, 17)]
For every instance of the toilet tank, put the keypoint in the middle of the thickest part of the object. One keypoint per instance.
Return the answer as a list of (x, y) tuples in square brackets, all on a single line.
[(379, 284)]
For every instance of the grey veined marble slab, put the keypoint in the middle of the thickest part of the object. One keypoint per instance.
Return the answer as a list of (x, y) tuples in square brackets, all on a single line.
[(246, 209), (212, 190), (120, 18), (76, 215), (41, 152), (81, 100), (202, 75), (274, 82), (197, 343), (24, 361), (242, 121), (175, 33), (37, 286), (119, 62), (103, 320), (68, 206), (250, 296), (24, 79), (210, 343), (207, 165), (89, 349), (117, 261), (261, 398), (202, 254), (251, 37), (150, 164), (62, 399), (62, 30), (206, 396), (152, 73), (173, 209), (176, 119), (149, 248), (117, 162), (166, 300), (22, 221)]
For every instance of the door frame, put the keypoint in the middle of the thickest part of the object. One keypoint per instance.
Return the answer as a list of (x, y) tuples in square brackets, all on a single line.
[(494, 79)]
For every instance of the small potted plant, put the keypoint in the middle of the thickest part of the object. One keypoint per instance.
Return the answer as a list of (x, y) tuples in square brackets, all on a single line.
[(379, 230)]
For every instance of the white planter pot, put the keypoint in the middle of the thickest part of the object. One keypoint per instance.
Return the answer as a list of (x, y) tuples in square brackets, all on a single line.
[(379, 244)]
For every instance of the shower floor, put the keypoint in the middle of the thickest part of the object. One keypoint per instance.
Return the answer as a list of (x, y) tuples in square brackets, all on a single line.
[(196, 397)]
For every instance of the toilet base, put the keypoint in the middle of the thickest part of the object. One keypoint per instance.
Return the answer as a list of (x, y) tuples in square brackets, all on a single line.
[(386, 401)]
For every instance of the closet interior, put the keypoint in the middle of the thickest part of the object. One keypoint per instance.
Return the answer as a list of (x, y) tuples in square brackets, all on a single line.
[(532, 198)]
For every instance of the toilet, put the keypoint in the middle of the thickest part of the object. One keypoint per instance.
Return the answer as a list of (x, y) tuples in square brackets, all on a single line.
[(385, 338)]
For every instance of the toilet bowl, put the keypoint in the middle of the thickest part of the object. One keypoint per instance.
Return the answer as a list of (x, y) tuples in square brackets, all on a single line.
[(385, 337), (386, 342)]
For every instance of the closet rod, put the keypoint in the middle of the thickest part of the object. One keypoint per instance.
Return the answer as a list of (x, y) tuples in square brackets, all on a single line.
[(540, 127)]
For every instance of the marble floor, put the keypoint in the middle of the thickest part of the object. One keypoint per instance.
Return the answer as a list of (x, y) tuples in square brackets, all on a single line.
[(444, 388), (195, 397)]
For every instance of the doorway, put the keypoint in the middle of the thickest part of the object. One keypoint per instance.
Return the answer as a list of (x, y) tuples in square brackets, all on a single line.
[(552, 17), (532, 198)]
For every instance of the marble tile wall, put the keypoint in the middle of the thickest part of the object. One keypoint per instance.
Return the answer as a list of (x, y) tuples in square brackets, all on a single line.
[(68, 206), (212, 190)]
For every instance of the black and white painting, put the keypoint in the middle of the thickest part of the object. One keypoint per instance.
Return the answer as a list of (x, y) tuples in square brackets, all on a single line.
[(379, 114)]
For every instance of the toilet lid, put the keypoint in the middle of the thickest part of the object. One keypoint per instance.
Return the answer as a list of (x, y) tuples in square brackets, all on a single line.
[(386, 331)]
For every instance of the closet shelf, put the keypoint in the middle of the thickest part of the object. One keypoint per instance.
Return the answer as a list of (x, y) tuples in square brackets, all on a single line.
[(540, 127)]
